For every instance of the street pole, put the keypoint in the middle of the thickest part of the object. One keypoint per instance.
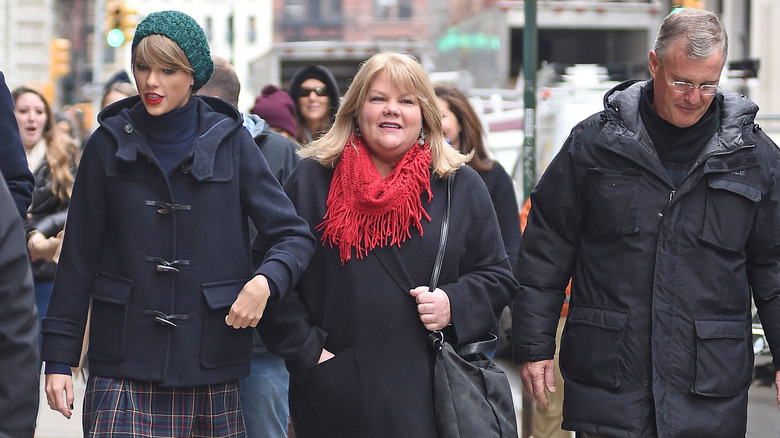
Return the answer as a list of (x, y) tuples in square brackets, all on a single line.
[(98, 35), (530, 49)]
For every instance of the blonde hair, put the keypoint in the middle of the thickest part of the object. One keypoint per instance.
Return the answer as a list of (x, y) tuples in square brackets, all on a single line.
[(62, 152), (125, 88), (406, 74), (159, 50)]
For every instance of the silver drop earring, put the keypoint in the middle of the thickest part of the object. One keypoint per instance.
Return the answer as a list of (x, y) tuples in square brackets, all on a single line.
[(357, 131), (421, 140)]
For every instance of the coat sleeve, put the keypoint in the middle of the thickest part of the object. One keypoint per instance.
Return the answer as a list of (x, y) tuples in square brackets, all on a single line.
[(763, 256), (546, 259), (63, 326), (484, 283), (286, 327), (18, 327), (13, 162), (508, 214), (287, 245)]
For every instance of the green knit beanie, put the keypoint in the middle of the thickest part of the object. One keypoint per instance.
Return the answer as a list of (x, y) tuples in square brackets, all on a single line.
[(185, 32)]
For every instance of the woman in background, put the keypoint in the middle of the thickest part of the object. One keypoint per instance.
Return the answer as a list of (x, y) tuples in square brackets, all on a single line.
[(317, 96), (52, 156), (117, 91), (463, 128)]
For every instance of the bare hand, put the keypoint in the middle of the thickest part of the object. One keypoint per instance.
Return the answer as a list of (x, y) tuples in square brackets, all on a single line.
[(325, 355), (59, 393), (250, 304), (538, 376), (777, 385), (41, 247), (433, 307)]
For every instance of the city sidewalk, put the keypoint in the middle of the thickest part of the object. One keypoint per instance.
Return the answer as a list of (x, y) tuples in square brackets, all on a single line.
[(51, 424)]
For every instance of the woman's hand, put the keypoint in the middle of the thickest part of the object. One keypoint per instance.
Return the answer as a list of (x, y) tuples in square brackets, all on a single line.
[(59, 393), (250, 304), (42, 248), (433, 307)]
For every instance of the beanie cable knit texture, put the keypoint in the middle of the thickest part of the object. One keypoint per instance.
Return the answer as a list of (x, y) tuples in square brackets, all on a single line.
[(187, 34)]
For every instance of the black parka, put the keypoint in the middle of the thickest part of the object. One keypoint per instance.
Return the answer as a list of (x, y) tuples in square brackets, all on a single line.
[(147, 246), (379, 383), (658, 333)]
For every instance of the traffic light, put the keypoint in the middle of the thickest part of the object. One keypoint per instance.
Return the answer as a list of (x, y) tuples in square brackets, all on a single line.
[(120, 23), (696, 4), (59, 57)]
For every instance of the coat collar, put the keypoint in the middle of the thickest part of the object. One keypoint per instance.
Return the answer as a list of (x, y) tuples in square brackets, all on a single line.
[(217, 119), (624, 129)]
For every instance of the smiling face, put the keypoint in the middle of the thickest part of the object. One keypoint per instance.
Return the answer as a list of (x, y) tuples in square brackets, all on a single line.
[(683, 109), (314, 108), (30, 112), (390, 122)]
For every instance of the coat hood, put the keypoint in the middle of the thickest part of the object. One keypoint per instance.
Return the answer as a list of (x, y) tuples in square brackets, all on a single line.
[(324, 75), (217, 118), (621, 105)]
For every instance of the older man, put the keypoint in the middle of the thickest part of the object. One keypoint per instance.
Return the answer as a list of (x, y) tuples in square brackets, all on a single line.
[(664, 210)]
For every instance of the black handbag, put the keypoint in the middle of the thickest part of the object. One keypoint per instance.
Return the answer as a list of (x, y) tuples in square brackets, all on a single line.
[(471, 394)]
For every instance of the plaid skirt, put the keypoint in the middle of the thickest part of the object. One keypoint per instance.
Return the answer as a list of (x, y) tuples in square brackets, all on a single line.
[(130, 408)]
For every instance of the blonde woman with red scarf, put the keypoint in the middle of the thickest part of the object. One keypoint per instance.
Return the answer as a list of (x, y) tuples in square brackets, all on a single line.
[(374, 191)]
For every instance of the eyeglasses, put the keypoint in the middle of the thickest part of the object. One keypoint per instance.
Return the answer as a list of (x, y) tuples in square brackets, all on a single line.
[(319, 91), (684, 87)]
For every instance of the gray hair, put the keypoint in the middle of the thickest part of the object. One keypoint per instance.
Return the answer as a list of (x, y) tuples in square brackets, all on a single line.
[(701, 29)]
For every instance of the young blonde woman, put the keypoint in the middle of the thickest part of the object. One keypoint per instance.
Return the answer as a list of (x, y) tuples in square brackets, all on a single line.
[(158, 243)]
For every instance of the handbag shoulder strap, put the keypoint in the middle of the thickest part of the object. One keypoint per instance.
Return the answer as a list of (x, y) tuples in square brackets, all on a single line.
[(445, 226), (474, 347)]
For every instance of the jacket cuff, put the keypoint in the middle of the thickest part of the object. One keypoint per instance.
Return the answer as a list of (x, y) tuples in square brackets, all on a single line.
[(58, 368)]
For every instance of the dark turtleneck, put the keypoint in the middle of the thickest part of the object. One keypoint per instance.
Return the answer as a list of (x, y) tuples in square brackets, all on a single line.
[(678, 147), (171, 135)]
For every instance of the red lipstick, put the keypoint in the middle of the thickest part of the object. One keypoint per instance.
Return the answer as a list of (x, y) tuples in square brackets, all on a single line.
[(153, 98)]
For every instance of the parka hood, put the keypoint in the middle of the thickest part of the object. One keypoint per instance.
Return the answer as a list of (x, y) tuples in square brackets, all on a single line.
[(621, 105)]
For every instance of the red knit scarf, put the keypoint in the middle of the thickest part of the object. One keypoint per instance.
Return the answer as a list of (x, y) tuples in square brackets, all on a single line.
[(365, 210)]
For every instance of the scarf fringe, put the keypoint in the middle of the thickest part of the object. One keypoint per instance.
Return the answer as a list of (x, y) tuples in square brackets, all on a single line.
[(366, 211)]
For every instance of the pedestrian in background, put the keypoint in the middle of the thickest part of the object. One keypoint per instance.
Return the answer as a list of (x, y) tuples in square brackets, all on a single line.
[(277, 108), (463, 129), (158, 243), (263, 392), (116, 91), (13, 161), (53, 158), (354, 332), (317, 97), (664, 210)]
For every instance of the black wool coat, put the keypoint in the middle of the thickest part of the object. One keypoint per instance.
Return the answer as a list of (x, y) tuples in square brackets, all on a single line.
[(379, 383), (144, 245)]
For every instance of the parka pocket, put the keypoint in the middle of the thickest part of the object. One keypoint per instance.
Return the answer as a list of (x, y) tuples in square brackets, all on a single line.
[(108, 320), (729, 212), (722, 358), (612, 201), (591, 346), (222, 344), (334, 387)]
